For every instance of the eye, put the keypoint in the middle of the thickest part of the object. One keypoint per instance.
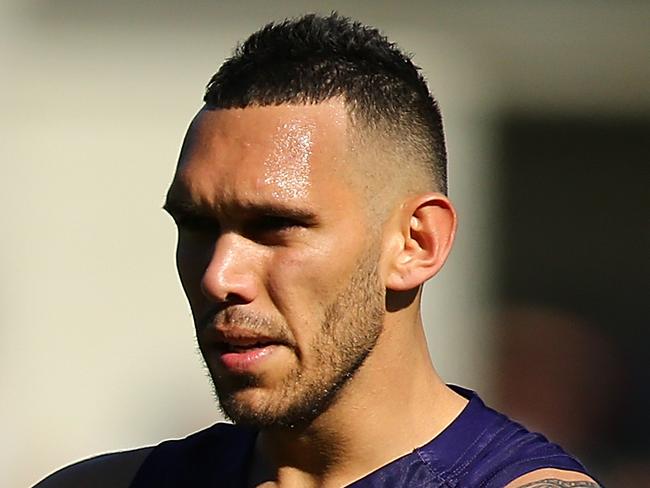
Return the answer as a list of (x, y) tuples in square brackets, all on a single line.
[(271, 223), (272, 228), (196, 224)]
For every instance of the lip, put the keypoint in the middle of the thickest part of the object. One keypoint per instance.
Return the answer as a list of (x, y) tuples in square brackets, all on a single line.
[(246, 359), (240, 350)]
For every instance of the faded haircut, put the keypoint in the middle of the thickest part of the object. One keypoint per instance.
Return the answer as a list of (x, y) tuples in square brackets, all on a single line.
[(313, 58)]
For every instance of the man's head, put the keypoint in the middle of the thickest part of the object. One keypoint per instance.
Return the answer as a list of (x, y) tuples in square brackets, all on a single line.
[(303, 198), (395, 124)]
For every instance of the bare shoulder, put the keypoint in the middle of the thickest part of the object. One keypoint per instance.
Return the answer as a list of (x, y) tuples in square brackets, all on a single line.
[(115, 470), (553, 478)]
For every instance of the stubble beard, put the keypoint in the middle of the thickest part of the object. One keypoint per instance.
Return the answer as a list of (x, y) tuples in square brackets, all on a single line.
[(349, 331)]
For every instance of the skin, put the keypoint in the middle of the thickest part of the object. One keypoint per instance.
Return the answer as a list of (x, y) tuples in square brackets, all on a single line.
[(322, 253), (553, 478), (255, 256), (290, 275)]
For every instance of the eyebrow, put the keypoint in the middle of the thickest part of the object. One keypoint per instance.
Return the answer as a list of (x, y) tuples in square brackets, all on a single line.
[(180, 206)]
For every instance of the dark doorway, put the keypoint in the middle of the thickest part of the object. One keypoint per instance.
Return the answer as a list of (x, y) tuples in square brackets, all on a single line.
[(575, 239)]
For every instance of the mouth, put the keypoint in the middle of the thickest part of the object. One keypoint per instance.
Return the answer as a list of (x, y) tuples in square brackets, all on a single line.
[(245, 355), (242, 344), (226, 347)]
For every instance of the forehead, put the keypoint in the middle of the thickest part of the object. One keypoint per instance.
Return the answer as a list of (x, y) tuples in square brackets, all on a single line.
[(284, 152)]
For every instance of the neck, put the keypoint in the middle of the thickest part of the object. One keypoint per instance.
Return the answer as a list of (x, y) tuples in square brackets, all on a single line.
[(395, 403)]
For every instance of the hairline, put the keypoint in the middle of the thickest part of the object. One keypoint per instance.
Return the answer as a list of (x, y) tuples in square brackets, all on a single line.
[(372, 146)]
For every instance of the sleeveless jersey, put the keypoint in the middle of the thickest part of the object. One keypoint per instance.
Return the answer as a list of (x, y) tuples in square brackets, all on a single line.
[(481, 448)]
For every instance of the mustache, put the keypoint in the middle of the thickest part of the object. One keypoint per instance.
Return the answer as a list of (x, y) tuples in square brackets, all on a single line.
[(244, 321)]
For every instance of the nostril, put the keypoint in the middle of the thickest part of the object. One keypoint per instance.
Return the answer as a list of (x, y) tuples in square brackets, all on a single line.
[(230, 277), (228, 292), (235, 299)]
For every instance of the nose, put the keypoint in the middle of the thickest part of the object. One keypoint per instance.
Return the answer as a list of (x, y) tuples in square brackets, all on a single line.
[(230, 276)]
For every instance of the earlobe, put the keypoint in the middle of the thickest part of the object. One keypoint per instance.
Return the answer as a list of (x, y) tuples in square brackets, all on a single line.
[(427, 228)]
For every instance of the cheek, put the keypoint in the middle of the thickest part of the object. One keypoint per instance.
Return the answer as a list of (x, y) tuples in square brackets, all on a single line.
[(302, 284), (191, 262)]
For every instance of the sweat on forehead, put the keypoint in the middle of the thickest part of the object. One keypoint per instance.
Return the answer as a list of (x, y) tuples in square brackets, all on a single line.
[(273, 149), (285, 147)]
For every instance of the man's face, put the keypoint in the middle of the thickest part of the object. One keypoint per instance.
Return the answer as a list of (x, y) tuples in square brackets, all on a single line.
[(277, 258)]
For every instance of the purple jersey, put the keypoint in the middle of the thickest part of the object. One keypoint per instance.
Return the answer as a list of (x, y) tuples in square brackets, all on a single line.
[(481, 448)]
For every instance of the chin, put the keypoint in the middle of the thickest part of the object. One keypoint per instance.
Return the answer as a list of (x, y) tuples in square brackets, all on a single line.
[(251, 409), (285, 407), (243, 401)]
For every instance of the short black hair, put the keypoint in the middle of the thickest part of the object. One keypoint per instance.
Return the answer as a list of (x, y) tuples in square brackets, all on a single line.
[(314, 58)]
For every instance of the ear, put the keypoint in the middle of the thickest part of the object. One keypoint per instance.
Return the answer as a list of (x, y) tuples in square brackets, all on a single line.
[(422, 240)]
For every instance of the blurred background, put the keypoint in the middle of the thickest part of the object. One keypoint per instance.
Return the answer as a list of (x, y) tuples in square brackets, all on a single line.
[(541, 309)]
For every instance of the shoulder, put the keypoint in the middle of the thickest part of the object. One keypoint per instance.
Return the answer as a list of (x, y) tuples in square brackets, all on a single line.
[(169, 458), (553, 478), (515, 457), (483, 447), (115, 470), (215, 456)]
